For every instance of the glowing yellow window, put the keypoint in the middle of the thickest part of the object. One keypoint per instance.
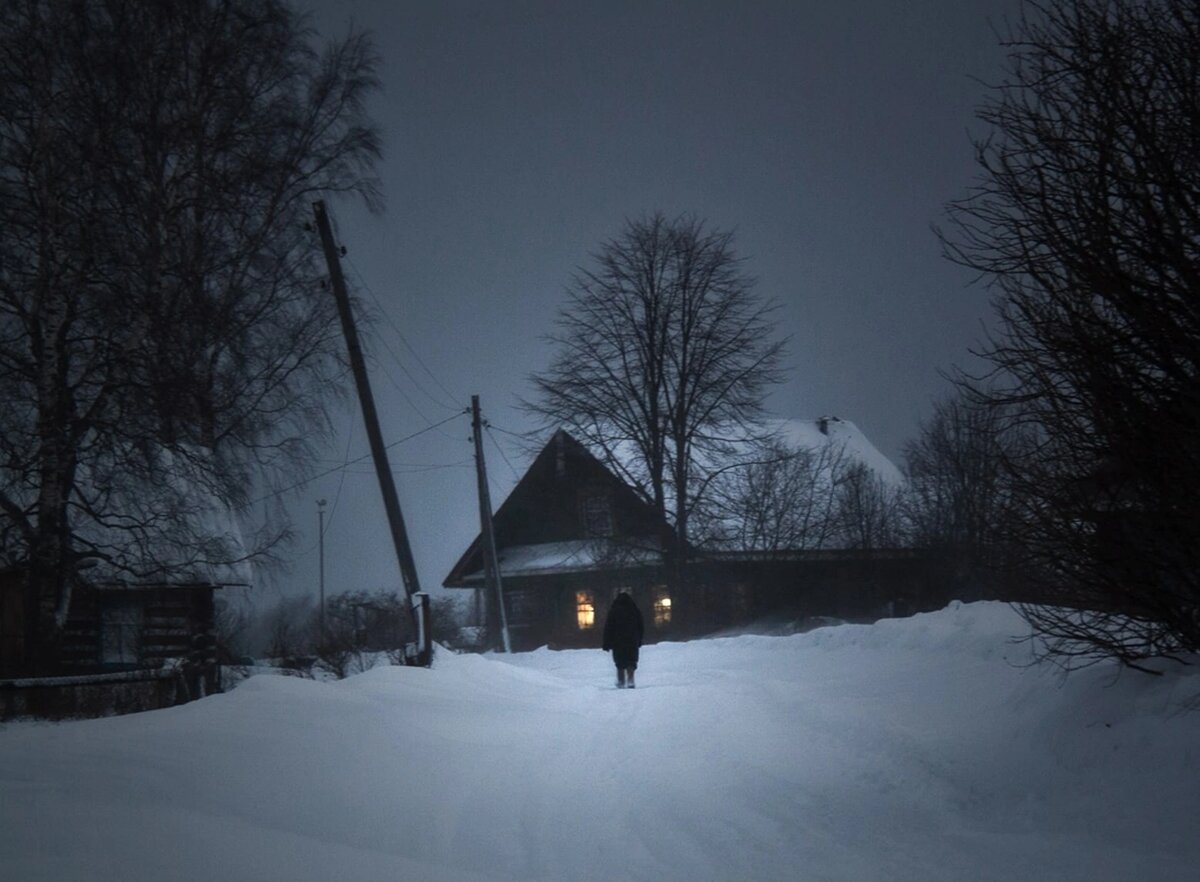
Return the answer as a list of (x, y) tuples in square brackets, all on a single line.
[(585, 610), (662, 610)]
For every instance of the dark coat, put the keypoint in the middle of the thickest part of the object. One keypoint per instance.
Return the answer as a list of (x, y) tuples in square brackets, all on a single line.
[(623, 629)]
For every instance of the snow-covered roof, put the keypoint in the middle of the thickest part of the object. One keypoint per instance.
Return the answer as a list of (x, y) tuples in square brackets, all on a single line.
[(573, 556), (842, 440), (844, 436)]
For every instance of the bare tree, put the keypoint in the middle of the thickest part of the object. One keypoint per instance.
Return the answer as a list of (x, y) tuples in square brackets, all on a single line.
[(291, 633), (663, 353), (867, 509), (358, 626), (1087, 223), (959, 500), (451, 621), (784, 497), (165, 341), (779, 498)]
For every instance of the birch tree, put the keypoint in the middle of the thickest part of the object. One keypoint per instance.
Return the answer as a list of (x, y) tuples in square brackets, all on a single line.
[(165, 338)]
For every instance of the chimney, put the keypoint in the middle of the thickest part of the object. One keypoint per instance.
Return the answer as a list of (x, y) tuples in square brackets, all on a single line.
[(560, 454)]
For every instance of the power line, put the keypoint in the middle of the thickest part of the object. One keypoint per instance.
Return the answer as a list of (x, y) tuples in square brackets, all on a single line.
[(399, 467), (342, 478), (517, 435), (500, 450), (450, 396), (339, 468), (400, 389), (412, 469)]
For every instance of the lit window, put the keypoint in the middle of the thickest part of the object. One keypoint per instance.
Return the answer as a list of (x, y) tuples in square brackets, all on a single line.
[(597, 516), (662, 610), (585, 610)]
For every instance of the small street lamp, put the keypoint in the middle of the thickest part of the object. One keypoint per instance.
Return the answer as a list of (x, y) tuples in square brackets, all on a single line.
[(321, 556)]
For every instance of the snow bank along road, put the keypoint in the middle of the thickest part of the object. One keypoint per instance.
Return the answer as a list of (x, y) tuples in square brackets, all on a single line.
[(916, 749)]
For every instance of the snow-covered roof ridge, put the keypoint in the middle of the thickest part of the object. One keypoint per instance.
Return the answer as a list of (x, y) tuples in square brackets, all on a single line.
[(825, 431)]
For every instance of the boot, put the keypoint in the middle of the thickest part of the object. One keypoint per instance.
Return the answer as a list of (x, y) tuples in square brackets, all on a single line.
[(629, 680), (620, 678)]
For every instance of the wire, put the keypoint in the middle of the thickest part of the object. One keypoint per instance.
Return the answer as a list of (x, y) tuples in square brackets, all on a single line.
[(339, 468), (421, 413), (450, 396), (495, 485), (342, 477), (500, 450), (398, 467), (508, 432)]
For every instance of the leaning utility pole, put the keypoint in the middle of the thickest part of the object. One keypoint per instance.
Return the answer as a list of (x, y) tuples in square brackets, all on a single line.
[(491, 565), (418, 601)]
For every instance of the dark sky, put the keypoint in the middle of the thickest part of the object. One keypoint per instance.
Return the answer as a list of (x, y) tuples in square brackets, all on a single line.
[(518, 136)]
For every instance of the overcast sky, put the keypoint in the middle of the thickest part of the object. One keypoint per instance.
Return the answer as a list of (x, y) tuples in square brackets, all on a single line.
[(518, 136)]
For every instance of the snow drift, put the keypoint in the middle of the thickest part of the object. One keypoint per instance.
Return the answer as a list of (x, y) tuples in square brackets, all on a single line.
[(919, 749)]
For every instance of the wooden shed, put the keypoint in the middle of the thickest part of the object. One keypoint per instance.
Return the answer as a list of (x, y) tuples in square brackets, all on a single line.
[(155, 640)]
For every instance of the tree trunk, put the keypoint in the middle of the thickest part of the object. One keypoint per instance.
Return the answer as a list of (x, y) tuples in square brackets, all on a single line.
[(48, 586)]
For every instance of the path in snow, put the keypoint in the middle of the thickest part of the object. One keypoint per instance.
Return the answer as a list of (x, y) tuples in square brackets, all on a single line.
[(912, 749)]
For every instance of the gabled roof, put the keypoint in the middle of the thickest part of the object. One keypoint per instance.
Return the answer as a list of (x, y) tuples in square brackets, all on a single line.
[(538, 526)]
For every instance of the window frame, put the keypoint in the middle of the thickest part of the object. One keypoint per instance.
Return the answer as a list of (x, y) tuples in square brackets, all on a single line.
[(663, 608), (585, 610), (597, 515)]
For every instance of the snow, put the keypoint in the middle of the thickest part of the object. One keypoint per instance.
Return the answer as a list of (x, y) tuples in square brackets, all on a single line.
[(844, 438), (915, 749), (570, 556)]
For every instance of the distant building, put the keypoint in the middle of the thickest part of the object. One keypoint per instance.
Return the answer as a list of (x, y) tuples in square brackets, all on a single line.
[(572, 534)]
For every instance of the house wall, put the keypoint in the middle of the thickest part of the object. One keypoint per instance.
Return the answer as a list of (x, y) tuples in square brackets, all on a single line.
[(720, 595), (544, 610), (854, 586), (125, 628), (122, 649), (548, 505)]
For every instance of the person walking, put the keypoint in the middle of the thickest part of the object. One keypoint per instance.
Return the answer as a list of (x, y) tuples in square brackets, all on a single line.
[(623, 633)]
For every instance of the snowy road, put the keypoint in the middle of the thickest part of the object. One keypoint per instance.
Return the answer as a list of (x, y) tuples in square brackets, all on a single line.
[(908, 750)]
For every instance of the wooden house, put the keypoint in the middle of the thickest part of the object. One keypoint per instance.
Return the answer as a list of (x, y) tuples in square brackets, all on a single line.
[(124, 647), (568, 537), (572, 534)]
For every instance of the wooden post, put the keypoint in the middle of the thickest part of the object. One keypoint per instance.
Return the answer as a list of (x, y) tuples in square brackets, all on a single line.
[(491, 565), (383, 471), (420, 605)]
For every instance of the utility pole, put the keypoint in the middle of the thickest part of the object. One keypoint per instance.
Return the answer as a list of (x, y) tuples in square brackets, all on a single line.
[(418, 601), (491, 565), (321, 558)]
